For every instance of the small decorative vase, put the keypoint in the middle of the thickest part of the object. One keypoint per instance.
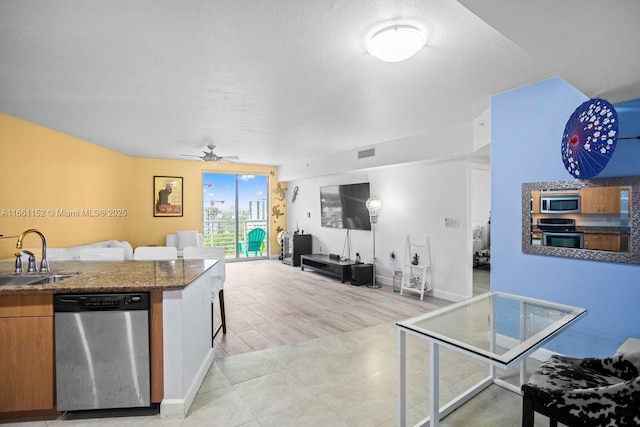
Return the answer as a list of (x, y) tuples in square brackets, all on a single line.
[(397, 281)]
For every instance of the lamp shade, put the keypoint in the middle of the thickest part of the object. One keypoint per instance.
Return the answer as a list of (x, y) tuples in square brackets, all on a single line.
[(397, 43), (373, 205)]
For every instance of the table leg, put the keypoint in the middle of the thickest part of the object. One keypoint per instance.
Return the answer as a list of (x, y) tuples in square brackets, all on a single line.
[(492, 339), (434, 383), (402, 378), (436, 413)]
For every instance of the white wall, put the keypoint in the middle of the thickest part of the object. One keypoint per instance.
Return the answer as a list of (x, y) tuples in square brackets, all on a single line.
[(452, 142), (480, 186), (416, 200), (482, 130)]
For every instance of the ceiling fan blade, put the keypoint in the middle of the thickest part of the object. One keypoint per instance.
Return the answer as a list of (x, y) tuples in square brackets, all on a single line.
[(229, 157), (210, 156)]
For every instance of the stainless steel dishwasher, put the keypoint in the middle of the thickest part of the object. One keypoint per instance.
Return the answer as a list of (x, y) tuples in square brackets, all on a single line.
[(102, 351)]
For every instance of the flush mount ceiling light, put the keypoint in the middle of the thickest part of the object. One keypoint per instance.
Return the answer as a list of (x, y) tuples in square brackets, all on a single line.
[(396, 43)]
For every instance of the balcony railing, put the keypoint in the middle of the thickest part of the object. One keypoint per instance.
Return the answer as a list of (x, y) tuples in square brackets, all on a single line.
[(223, 233)]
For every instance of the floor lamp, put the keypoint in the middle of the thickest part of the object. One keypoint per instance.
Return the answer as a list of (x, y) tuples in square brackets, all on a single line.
[(373, 205)]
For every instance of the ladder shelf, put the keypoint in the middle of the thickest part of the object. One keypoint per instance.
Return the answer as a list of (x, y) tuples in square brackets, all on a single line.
[(417, 275)]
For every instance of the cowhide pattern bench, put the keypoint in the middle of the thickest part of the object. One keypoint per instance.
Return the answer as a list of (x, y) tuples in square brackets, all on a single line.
[(585, 392)]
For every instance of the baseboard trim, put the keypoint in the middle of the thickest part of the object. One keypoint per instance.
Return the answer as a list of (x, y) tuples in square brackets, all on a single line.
[(178, 408), (434, 292), (446, 295)]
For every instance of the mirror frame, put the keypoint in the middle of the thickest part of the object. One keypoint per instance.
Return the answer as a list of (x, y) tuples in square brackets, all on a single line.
[(630, 257)]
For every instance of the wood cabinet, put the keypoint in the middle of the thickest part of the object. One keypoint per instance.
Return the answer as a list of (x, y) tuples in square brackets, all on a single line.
[(535, 201), (156, 343), (600, 200), (602, 241), (26, 353)]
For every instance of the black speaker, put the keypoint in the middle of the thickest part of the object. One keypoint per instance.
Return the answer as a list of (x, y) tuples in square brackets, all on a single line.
[(334, 256), (361, 274)]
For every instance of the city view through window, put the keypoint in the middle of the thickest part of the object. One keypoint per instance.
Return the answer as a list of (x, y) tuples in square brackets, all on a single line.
[(236, 213)]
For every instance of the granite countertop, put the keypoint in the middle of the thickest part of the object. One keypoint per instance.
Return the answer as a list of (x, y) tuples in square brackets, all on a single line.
[(588, 229), (599, 229), (112, 276)]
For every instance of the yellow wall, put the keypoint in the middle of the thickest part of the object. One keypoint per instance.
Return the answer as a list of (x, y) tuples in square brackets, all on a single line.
[(149, 230), (46, 175)]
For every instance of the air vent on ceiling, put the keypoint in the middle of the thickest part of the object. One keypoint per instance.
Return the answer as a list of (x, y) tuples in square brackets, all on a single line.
[(367, 153)]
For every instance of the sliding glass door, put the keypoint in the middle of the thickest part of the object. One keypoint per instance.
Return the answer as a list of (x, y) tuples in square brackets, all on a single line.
[(235, 214)]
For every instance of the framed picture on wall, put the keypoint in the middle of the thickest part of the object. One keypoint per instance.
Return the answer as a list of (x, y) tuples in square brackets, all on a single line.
[(167, 196)]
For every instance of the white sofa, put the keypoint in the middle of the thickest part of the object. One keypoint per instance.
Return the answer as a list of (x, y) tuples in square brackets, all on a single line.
[(72, 253)]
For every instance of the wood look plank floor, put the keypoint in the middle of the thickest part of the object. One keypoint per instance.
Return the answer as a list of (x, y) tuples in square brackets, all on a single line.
[(270, 304), (481, 280)]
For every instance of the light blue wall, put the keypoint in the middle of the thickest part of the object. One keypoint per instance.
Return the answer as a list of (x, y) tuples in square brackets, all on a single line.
[(626, 158), (527, 125)]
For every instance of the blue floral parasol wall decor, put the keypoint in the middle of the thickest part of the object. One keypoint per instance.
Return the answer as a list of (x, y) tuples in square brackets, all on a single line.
[(589, 138)]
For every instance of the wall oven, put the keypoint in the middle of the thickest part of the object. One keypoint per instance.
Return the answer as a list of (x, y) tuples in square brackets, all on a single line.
[(560, 233), (563, 240), (560, 203)]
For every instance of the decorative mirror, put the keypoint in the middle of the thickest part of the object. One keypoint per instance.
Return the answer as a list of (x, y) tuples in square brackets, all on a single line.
[(596, 219)]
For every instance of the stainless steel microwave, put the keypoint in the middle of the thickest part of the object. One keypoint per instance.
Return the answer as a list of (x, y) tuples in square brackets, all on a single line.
[(560, 203)]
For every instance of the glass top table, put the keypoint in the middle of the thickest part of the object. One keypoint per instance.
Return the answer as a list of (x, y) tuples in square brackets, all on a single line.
[(498, 328)]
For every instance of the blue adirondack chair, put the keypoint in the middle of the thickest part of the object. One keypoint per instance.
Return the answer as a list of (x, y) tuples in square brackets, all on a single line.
[(254, 243)]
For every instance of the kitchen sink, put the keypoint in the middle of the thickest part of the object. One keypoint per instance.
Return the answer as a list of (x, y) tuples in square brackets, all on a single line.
[(35, 279), (53, 278)]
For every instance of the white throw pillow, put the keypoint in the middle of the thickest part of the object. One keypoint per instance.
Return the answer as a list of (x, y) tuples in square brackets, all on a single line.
[(171, 240), (187, 238), (128, 249)]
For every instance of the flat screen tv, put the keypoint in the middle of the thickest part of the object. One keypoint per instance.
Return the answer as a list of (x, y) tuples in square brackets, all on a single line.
[(343, 206)]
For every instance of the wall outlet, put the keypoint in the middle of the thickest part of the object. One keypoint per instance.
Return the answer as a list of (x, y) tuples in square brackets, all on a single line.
[(451, 222)]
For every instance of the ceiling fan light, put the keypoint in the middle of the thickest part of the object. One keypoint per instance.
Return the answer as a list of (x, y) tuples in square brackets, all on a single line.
[(397, 43)]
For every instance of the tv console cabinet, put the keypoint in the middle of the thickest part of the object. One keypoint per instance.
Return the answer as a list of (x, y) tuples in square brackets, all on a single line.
[(326, 265)]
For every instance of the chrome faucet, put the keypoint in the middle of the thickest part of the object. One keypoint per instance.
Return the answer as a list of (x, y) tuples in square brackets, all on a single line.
[(18, 262), (32, 262), (44, 263)]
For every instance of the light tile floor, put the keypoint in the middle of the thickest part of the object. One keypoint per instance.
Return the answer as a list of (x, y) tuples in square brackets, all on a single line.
[(349, 379)]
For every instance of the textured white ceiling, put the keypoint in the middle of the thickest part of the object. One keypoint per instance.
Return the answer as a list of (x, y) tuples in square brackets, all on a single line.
[(282, 81)]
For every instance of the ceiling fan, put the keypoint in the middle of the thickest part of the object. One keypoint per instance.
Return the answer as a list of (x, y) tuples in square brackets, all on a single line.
[(210, 156)]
